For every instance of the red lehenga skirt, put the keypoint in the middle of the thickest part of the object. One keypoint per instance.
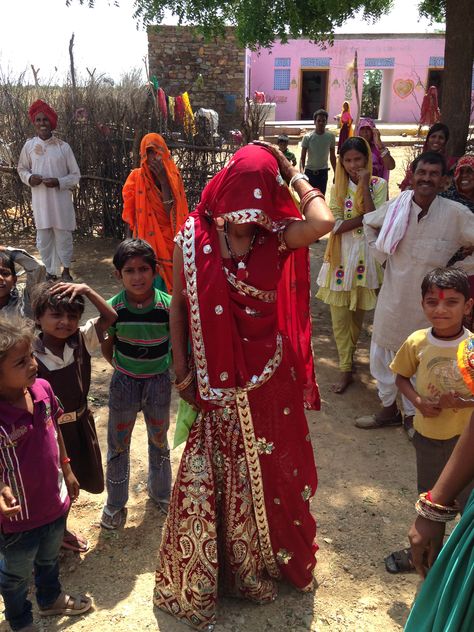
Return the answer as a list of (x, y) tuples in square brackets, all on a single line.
[(239, 517)]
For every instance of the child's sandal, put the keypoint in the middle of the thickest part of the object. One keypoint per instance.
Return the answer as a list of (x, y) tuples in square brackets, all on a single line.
[(70, 605)]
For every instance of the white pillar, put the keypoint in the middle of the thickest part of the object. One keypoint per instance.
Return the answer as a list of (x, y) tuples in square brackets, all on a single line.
[(386, 95)]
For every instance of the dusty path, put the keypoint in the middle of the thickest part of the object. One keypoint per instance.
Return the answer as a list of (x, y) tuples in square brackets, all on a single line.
[(364, 505)]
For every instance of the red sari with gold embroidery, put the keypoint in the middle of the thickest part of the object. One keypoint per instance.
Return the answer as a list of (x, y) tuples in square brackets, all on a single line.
[(239, 516)]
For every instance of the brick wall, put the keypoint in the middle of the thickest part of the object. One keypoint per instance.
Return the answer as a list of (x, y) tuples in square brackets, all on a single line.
[(177, 55)]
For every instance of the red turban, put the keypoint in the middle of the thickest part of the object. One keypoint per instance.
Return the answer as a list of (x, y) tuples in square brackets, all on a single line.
[(41, 106)]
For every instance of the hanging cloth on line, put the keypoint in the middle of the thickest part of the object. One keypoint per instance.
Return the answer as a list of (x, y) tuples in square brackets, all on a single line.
[(188, 115), (179, 109), (171, 106), (161, 101)]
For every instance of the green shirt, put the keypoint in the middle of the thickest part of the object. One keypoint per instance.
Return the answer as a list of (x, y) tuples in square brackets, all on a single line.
[(318, 146), (141, 336), (290, 156)]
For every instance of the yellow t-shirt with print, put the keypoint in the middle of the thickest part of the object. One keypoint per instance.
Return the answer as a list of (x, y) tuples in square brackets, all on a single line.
[(434, 363)]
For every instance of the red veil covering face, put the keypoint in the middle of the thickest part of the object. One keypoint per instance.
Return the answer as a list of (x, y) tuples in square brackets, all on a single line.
[(143, 208), (249, 189)]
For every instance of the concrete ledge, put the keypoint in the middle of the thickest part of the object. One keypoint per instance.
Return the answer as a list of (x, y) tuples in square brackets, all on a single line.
[(392, 134)]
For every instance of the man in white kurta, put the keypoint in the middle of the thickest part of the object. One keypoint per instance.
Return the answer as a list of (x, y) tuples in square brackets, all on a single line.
[(436, 229), (48, 166)]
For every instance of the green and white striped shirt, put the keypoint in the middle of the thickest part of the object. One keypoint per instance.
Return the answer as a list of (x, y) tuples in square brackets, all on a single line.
[(141, 336)]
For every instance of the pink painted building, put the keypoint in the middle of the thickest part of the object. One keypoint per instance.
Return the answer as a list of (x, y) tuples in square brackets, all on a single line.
[(301, 76)]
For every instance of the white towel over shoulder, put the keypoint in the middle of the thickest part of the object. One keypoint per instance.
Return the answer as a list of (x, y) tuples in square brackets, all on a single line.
[(395, 223)]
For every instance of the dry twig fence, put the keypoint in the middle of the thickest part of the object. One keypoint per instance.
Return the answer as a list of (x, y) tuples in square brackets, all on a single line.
[(104, 124)]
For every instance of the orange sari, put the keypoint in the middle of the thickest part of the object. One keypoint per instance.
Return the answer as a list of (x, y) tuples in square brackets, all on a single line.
[(143, 208)]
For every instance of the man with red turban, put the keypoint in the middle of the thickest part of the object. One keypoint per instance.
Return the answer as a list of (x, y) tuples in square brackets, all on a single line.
[(48, 166)]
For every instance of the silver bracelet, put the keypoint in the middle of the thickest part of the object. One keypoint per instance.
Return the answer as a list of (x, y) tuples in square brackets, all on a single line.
[(296, 177), (385, 151)]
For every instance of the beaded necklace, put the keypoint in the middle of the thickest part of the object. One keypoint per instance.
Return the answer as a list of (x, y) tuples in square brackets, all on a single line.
[(240, 260)]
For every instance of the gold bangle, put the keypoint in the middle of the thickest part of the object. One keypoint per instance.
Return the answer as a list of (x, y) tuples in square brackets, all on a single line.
[(309, 199), (446, 508), (183, 385)]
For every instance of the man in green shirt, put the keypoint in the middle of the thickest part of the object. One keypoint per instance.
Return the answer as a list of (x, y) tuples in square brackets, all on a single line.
[(318, 146)]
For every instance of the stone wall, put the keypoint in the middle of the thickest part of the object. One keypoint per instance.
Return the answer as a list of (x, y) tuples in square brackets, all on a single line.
[(177, 55)]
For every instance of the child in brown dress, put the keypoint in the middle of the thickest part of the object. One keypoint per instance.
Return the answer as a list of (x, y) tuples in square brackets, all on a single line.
[(63, 353)]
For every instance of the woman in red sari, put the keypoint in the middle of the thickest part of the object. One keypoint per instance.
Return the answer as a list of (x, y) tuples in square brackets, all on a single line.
[(239, 517), (429, 113)]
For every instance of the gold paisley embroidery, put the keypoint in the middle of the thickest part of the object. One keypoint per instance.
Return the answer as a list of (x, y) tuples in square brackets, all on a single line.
[(187, 577)]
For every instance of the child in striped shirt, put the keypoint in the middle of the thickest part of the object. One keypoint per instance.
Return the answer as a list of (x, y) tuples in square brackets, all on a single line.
[(138, 349)]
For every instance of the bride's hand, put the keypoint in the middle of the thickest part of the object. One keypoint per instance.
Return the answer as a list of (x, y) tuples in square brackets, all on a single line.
[(189, 395), (284, 165)]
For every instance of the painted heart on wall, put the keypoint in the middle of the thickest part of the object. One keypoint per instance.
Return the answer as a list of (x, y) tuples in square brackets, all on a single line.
[(403, 87)]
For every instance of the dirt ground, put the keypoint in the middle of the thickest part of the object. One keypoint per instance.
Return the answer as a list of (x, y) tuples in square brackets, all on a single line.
[(364, 505)]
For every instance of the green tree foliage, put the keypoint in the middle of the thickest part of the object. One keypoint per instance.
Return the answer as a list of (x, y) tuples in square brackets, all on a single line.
[(433, 10), (259, 23), (371, 93)]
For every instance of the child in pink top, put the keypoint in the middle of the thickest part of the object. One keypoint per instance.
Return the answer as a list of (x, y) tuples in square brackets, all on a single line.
[(36, 485)]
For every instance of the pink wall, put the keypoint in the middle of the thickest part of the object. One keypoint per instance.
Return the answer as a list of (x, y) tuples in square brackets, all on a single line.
[(403, 90)]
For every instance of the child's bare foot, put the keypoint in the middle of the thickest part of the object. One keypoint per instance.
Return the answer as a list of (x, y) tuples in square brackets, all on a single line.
[(75, 542), (346, 379)]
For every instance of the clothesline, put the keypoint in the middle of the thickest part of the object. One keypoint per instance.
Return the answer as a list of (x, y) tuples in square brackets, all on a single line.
[(177, 108)]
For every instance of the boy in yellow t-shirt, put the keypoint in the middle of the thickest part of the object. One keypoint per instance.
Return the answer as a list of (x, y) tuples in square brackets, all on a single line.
[(439, 391), (430, 355)]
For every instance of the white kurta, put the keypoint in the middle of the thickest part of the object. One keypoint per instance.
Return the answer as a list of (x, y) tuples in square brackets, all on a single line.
[(427, 244), (52, 158)]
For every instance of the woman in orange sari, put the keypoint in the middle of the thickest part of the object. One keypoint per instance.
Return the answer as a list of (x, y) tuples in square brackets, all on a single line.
[(154, 202)]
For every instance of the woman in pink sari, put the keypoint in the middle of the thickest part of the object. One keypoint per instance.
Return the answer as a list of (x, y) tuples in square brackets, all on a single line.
[(382, 161), (239, 517), (346, 128)]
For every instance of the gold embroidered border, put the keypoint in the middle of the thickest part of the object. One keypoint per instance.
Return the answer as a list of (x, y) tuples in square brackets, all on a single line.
[(267, 296), (221, 396), (249, 216), (256, 483), (257, 216)]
